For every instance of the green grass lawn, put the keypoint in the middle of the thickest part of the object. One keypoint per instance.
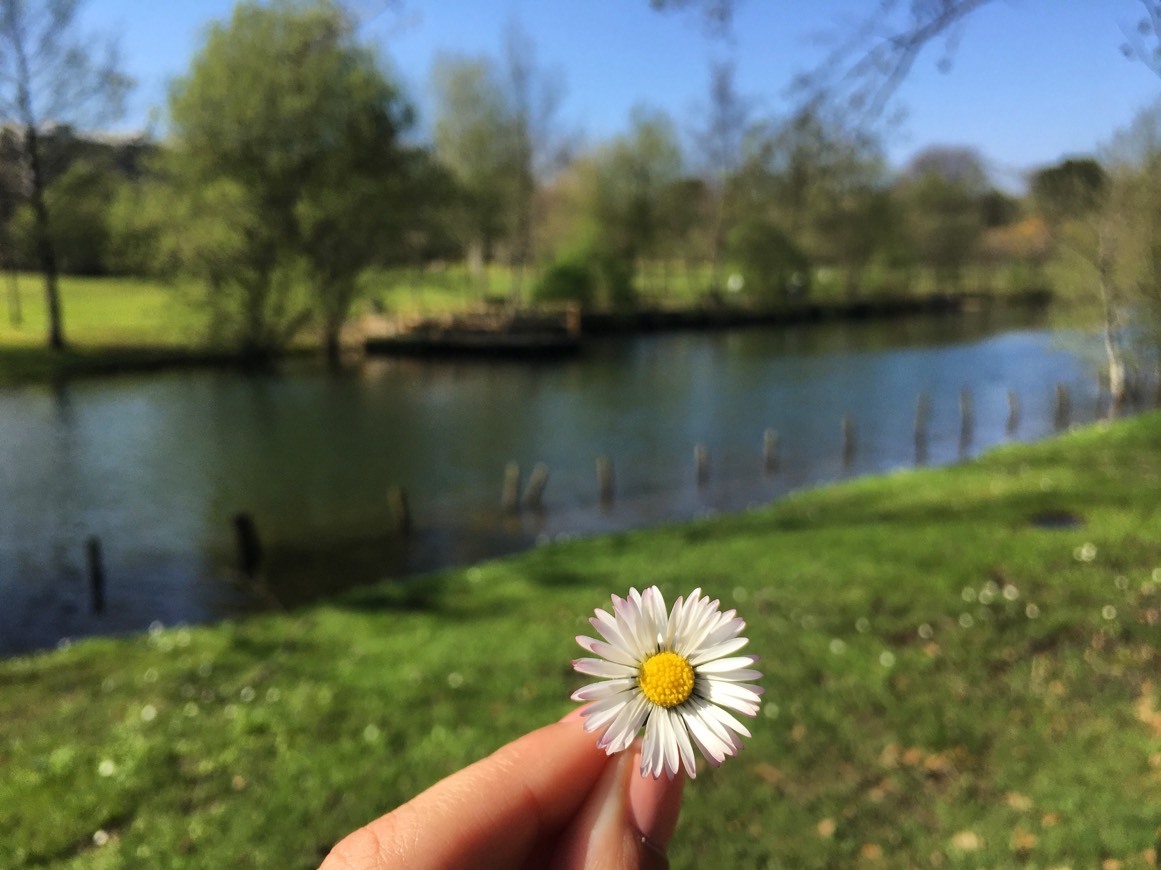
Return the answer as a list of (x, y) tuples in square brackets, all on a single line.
[(101, 311), (109, 324), (948, 684), (116, 323)]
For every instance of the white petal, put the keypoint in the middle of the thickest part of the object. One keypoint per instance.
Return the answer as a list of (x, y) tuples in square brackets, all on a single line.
[(600, 713), (651, 752), (698, 625), (603, 668), (709, 653), (668, 739), (673, 623), (607, 651), (604, 689), (726, 627), (684, 747), (727, 720), (709, 744), (658, 619), (623, 730), (607, 626), (736, 696), (707, 716), (631, 622), (702, 626), (742, 675), (718, 667)]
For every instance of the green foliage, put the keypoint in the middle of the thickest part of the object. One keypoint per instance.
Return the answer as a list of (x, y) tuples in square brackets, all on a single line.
[(947, 684), (1070, 189), (78, 203), (474, 140), (285, 168), (567, 281), (615, 279), (944, 225), (624, 208), (769, 261)]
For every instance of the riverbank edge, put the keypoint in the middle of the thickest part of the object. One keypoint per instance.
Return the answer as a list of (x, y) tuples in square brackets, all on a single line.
[(973, 715), (31, 364)]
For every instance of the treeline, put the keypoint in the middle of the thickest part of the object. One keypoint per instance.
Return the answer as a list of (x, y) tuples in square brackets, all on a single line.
[(292, 169)]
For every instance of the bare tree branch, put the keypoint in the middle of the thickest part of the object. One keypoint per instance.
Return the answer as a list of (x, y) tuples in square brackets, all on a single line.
[(866, 66), (1147, 30), (718, 14)]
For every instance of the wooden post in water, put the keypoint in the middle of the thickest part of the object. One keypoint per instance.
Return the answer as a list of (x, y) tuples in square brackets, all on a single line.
[(701, 464), (510, 491), (770, 451), (848, 428), (96, 573), (572, 319), (605, 480), (249, 545), (534, 492), (400, 509), (1063, 407), (966, 419), (1013, 413), (922, 413)]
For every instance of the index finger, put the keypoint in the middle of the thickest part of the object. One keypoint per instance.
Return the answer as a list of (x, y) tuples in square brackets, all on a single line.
[(492, 813)]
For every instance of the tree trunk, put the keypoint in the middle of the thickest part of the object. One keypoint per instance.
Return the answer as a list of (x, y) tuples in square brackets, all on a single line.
[(477, 266), (46, 250), (1113, 355), (718, 245), (333, 347)]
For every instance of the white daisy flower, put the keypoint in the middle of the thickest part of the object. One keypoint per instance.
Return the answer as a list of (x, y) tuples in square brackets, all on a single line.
[(671, 673)]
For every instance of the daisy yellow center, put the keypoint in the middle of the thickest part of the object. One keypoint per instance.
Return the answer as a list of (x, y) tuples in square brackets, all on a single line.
[(666, 679)]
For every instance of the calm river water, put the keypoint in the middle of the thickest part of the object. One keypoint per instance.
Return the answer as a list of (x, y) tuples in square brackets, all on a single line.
[(156, 466)]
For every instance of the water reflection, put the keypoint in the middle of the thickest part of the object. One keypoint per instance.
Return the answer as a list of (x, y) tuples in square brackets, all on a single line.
[(157, 466)]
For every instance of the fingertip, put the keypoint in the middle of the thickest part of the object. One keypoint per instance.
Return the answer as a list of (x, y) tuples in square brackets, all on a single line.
[(655, 805), (576, 714)]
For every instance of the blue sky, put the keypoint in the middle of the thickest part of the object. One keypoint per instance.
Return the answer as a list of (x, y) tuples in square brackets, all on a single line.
[(1032, 80)]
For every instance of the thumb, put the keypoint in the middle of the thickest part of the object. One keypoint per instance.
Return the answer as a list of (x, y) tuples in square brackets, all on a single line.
[(627, 820)]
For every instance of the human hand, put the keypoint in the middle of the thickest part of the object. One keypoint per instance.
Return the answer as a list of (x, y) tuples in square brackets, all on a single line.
[(548, 799)]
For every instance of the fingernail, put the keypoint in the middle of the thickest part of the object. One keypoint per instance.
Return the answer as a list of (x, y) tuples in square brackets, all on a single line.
[(627, 821), (654, 806)]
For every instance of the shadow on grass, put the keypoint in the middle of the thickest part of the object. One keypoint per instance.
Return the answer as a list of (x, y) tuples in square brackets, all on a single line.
[(27, 364)]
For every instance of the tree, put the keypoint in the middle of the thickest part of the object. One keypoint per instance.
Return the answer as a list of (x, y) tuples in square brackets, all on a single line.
[(770, 262), (1073, 188), (52, 74), (471, 139), (828, 190), (643, 165), (719, 140), (78, 203), (942, 188), (285, 167), (619, 195), (496, 130), (1123, 236)]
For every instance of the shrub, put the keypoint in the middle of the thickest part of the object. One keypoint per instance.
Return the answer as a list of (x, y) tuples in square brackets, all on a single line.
[(567, 281)]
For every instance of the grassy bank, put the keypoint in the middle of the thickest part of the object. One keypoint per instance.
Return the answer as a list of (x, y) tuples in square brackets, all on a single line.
[(132, 324), (111, 324), (962, 670)]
